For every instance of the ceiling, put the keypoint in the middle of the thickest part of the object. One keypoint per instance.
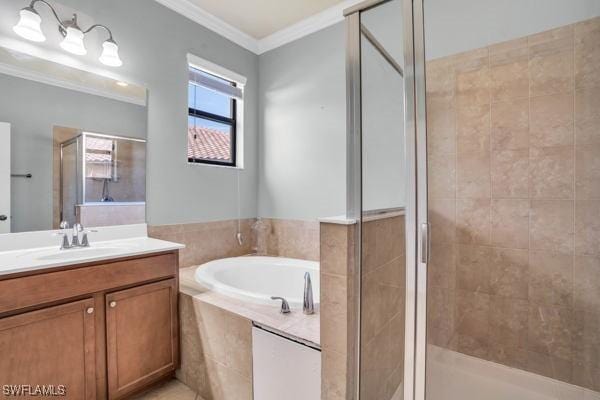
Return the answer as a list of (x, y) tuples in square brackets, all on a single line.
[(261, 18)]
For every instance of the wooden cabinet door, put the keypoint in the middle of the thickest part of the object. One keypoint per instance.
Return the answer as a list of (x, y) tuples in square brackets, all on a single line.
[(141, 336), (50, 347)]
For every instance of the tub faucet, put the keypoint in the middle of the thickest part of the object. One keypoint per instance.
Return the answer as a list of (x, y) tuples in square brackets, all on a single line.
[(285, 307), (308, 305)]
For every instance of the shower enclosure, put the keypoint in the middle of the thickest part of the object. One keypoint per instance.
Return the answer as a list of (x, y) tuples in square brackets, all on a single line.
[(474, 175), (102, 170)]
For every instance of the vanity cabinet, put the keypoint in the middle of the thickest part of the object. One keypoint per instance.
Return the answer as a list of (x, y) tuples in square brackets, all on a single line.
[(141, 336), (52, 346), (103, 330)]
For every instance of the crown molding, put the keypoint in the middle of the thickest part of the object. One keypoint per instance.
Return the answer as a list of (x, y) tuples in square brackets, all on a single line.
[(217, 25), (305, 27)]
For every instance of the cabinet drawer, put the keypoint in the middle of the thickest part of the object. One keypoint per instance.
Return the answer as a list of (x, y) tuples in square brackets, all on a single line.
[(49, 287)]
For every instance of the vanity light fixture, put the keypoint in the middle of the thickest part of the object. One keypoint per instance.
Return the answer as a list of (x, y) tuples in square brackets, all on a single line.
[(29, 27)]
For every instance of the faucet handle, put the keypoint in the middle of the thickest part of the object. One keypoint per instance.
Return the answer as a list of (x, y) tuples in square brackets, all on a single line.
[(65, 240), (77, 227), (84, 237), (308, 305), (285, 306)]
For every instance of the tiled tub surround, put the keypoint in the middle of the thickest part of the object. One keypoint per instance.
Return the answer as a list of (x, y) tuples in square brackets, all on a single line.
[(288, 238), (216, 339), (382, 306), (337, 309), (207, 241), (514, 203)]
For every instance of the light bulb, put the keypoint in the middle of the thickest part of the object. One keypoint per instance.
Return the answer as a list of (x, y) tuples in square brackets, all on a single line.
[(73, 42), (29, 26), (110, 54)]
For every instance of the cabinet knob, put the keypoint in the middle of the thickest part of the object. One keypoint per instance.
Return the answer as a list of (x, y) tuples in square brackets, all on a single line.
[(112, 304), (90, 310)]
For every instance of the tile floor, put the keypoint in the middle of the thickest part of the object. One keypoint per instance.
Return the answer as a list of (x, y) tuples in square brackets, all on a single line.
[(171, 390)]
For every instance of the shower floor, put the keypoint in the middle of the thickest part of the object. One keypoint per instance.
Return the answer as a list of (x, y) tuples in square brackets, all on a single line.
[(455, 376)]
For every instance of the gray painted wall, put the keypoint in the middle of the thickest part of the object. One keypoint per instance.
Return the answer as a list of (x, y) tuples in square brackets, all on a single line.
[(153, 43), (302, 87), (33, 109), (303, 127)]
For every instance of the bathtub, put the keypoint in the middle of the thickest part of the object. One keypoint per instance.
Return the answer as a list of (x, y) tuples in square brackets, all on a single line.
[(257, 278)]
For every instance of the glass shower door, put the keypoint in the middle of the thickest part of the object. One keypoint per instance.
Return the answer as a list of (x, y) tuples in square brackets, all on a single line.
[(513, 150), (69, 180), (381, 199)]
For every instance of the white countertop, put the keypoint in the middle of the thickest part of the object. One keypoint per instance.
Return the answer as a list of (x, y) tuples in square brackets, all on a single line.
[(17, 259)]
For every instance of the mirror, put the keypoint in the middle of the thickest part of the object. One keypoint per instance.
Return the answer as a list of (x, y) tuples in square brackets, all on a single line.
[(73, 146)]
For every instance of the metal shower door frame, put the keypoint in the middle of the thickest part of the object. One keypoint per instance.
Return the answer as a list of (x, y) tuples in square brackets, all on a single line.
[(417, 232)]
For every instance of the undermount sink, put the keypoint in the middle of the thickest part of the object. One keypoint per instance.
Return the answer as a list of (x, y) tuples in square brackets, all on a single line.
[(77, 253), (56, 254)]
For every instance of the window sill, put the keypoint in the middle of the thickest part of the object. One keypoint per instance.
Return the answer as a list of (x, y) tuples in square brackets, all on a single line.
[(215, 166)]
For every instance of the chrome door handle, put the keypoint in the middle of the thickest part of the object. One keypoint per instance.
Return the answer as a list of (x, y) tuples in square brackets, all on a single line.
[(425, 243)]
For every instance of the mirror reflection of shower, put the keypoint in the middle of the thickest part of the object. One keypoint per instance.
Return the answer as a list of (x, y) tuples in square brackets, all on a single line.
[(101, 177)]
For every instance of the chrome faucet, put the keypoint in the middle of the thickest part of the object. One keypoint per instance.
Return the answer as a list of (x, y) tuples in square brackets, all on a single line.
[(308, 305), (77, 229), (285, 307)]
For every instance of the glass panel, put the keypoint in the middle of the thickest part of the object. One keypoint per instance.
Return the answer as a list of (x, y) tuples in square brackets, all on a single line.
[(383, 192), (207, 100), (68, 175), (114, 170), (513, 96), (209, 140)]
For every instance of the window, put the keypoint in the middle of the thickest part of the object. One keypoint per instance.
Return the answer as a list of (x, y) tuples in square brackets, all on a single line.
[(213, 110)]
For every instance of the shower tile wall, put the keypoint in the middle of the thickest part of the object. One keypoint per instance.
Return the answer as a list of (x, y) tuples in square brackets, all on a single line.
[(382, 307), (514, 186)]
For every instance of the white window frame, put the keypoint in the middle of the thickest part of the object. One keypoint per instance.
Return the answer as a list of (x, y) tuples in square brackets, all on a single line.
[(240, 81)]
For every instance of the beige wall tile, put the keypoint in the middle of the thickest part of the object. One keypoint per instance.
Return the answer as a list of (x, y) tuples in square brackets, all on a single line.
[(515, 357), (441, 269), (442, 217), (587, 227), (333, 379), (587, 118), (550, 330), (473, 221), (587, 172), (441, 126), (552, 367), (335, 240), (440, 317), (441, 175), (587, 53), (509, 72), (586, 283), (472, 322), (473, 179), (510, 223), (552, 120), (551, 278), (551, 72), (508, 321), (552, 39), (510, 125), (510, 173), (473, 80), (509, 273), (551, 226), (472, 127), (551, 172), (473, 268), (207, 241), (292, 238), (334, 313)]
